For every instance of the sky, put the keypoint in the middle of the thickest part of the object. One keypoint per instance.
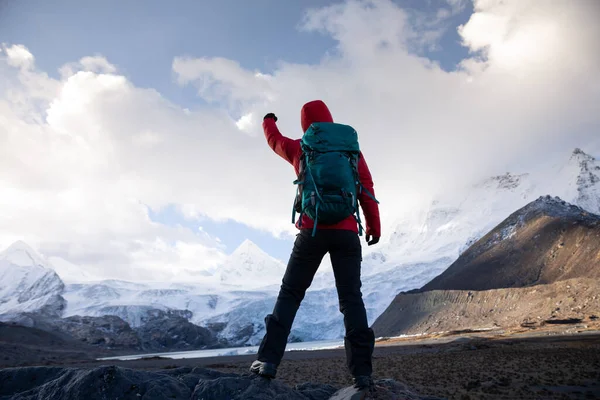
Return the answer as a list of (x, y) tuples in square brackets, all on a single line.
[(131, 139)]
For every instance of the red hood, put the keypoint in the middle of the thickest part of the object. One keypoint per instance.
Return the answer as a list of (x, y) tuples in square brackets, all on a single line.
[(314, 111)]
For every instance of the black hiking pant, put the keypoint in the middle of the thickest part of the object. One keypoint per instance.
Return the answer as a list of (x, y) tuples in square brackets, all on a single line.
[(345, 251)]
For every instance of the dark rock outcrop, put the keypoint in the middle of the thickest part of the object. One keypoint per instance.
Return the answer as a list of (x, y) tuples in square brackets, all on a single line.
[(108, 331), (110, 382), (171, 330)]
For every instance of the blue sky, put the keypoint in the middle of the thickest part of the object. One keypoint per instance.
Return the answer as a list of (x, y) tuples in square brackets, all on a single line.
[(142, 39)]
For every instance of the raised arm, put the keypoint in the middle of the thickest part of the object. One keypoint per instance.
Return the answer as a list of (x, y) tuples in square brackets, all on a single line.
[(369, 206), (287, 148)]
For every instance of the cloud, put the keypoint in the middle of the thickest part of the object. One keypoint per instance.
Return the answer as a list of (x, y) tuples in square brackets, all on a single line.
[(97, 64), (19, 56), (83, 157), (219, 79), (535, 37)]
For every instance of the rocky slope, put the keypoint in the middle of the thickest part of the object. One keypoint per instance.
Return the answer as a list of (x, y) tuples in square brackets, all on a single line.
[(540, 264), (544, 242), (575, 301)]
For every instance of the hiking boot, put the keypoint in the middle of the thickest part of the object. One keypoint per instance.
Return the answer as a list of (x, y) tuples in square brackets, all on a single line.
[(363, 382), (265, 369)]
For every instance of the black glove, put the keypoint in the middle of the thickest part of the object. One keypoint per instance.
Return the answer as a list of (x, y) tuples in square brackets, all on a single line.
[(270, 115), (372, 240)]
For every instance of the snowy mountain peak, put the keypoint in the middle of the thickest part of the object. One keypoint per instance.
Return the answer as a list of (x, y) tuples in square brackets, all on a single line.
[(554, 207), (249, 266), (27, 283), (587, 176), (248, 249), (22, 255), (581, 156)]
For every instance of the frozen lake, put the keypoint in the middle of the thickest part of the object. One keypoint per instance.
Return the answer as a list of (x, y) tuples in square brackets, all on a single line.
[(233, 351)]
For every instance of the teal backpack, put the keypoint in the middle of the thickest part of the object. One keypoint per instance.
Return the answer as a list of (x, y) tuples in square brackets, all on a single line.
[(328, 181)]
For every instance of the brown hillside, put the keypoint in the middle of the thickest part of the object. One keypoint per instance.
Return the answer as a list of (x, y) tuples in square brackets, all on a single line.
[(544, 242), (540, 264), (575, 300)]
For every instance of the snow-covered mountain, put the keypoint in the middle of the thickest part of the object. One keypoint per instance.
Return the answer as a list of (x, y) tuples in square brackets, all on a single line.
[(578, 181), (249, 267), (453, 222), (28, 284)]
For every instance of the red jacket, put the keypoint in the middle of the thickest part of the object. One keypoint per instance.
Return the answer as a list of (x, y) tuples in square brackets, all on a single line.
[(289, 150)]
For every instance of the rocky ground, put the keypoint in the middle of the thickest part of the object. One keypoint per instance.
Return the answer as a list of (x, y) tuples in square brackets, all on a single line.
[(553, 367), (549, 363)]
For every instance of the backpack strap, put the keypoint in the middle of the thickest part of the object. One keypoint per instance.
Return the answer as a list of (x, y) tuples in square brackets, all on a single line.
[(368, 193), (296, 182), (309, 173), (357, 218), (314, 231)]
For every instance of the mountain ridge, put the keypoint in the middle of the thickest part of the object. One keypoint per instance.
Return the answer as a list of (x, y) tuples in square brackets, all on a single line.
[(542, 263)]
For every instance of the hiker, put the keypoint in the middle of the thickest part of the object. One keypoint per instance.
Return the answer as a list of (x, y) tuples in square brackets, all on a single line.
[(341, 239)]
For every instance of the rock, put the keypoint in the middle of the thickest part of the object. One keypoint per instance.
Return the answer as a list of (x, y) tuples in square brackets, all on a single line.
[(111, 382), (169, 331), (108, 331)]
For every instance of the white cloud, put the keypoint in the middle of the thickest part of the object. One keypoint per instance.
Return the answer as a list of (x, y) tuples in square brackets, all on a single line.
[(19, 56), (82, 157), (97, 64), (219, 79), (246, 123)]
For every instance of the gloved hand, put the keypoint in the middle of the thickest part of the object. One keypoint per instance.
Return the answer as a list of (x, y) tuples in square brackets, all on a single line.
[(372, 240), (270, 115)]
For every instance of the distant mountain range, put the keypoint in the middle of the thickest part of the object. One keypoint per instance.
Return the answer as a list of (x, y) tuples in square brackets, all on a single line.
[(232, 300)]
